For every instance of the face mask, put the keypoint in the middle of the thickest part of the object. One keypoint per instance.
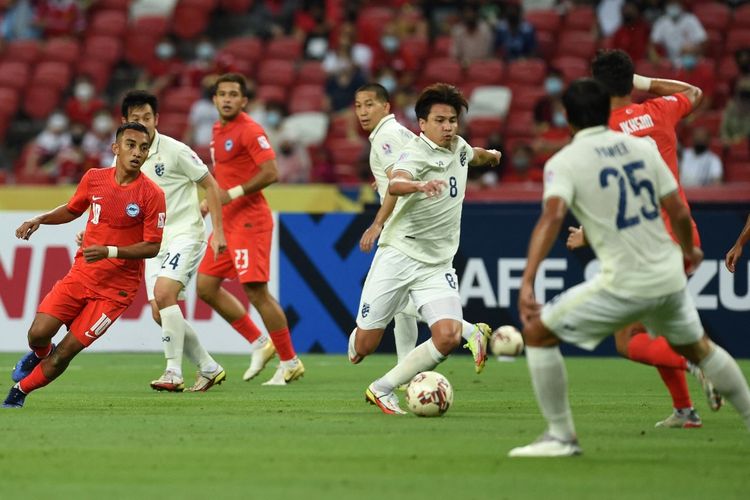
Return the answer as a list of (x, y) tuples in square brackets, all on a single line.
[(673, 10), (273, 118), (558, 119), (411, 114), (165, 50), (390, 43), (553, 85), (205, 51), (521, 162), (689, 61), (102, 124), (84, 91), (57, 122), (389, 83), (700, 148)]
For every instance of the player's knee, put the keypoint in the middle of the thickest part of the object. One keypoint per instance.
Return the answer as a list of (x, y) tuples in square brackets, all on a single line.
[(205, 293), (535, 334)]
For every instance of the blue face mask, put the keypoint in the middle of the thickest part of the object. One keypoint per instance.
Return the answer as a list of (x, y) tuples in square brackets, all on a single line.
[(389, 83), (558, 119), (390, 43), (553, 85), (273, 118), (688, 61)]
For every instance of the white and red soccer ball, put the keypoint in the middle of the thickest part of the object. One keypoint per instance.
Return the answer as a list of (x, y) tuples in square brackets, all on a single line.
[(429, 394), (506, 341)]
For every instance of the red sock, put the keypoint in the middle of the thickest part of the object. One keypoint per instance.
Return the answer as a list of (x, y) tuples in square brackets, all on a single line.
[(675, 381), (34, 380), (42, 352), (282, 341), (246, 328), (655, 352)]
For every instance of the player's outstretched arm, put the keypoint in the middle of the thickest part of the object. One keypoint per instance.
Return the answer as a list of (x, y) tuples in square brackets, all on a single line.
[(213, 202), (59, 215), (664, 87), (542, 238), (734, 253), (402, 183), (141, 250), (371, 233), (483, 157), (679, 216)]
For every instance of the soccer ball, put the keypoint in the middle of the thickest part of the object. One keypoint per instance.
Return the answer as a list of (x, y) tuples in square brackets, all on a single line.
[(506, 341), (429, 394)]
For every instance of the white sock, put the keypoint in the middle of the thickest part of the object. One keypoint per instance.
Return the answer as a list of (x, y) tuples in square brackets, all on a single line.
[(422, 358), (722, 370), (196, 353), (550, 381), (406, 332), (173, 337), (467, 329)]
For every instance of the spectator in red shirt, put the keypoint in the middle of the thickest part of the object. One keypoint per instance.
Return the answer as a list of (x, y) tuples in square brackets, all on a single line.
[(633, 35), (84, 103), (521, 168), (60, 18)]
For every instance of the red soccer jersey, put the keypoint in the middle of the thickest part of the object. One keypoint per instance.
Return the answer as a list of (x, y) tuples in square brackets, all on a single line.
[(237, 149), (119, 216)]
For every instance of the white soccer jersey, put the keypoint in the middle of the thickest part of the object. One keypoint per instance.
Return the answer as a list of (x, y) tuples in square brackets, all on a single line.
[(387, 140), (613, 182), (176, 169), (428, 229)]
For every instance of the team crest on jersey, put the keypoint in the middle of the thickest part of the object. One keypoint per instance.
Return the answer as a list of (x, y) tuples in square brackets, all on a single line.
[(365, 309), (161, 219), (228, 145), (403, 156), (387, 149), (462, 157), (159, 169), (132, 209), (263, 142)]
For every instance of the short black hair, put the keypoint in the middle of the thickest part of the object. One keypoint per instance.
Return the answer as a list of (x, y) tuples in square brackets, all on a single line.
[(381, 93), (440, 93), (233, 78), (130, 126), (614, 69), (137, 99), (586, 102)]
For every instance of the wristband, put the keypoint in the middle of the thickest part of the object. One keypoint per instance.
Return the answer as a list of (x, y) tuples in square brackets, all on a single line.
[(641, 82), (236, 192), (111, 252)]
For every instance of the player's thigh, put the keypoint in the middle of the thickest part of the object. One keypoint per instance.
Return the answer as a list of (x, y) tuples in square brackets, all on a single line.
[(95, 319), (386, 288), (676, 318), (65, 301), (178, 261), (585, 314), (437, 285)]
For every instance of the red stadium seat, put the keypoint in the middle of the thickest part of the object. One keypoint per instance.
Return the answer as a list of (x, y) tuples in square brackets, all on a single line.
[(741, 17), (711, 120), (737, 171), (97, 71), (340, 126), (484, 127), (580, 18), (739, 152), (737, 39), (370, 23), (661, 69), (61, 49), (415, 48), (307, 98), (311, 72), (442, 69), (113, 4), (179, 99), (14, 75), (206, 5), (248, 48), (288, 47), (188, 22), (155, 26), (108, 23), (204, 153), (487, 72), (52, 74), (9, 102), (713, 15), (526, 71), (173, 124), (441, 47), (524, 97), (546, 44), (577, 44), (727, 69), (40, 101), (236, 6), (345, 151), (271, 93), (715, 43), (276, 72), (139, 48), (544, 20), (26, 51), (105, 48), (519, 123), (572, 68)]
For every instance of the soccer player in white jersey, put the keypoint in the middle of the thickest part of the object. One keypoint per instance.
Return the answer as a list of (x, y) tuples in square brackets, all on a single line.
[(615, 185), (414, 259), (387, 139), (178, 171)]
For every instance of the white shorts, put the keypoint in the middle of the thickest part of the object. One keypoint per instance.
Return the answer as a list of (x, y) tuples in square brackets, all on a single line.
[(178, 260), (394, 278), (586, 314)]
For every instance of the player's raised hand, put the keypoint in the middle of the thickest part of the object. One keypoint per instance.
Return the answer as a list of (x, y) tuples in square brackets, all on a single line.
[(432, 188), (528, 307), (369, 236), (733, 256), (576, 238), (693, 259), (95, 253), (26, 229)]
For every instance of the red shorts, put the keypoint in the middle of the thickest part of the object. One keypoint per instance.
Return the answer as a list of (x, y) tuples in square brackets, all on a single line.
[(86, 314), (248, 257)]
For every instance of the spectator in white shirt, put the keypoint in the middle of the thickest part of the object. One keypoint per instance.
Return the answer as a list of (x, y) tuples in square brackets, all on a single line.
[(699, 166), (677, 31)]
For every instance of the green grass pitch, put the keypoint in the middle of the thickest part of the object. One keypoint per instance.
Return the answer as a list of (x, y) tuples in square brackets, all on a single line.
[(100, 432)]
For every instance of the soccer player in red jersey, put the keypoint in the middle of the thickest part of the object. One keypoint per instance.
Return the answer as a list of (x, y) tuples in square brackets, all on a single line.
[(656, 119), (244, 164), (126, 218)]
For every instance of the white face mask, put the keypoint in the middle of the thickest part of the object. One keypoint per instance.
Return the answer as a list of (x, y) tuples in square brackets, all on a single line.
[(84, 91), (205, 51), (102, 124), (165, 50), (673, 10), (57, 122)]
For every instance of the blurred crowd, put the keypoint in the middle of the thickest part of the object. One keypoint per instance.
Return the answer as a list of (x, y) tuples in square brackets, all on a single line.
[(305, 59)]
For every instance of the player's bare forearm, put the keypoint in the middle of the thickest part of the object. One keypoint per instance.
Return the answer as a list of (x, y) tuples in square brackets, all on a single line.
[(136, 251), (484, 157), (734, 253), (213, 201), (373, 232), (400, 186), (664, 87), (543, 237), (59, 215)]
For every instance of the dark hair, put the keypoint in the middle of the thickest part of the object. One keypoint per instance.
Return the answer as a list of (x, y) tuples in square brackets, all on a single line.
[(586, 102), (381, 94), (137, 99), (439, 93), (614, 69), (233, 78), (130, 126)]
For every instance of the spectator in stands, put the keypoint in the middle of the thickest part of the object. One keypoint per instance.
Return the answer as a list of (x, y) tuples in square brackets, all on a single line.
[(342, 84), (652, 10), (51, 140), (273, 18), (633, 35), (699, 166), (487, 176), (97, 143), (610, 16), (522, 167), (203, 115), (410, 22), (163, 71), (84, 103), (551, 127), (515, 38), (18, 21), (60, 17), (311, 24), (70, 161), (694, 70), (675, 32), (346, 50), (735, 122), (292, 158), (471, 38)]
